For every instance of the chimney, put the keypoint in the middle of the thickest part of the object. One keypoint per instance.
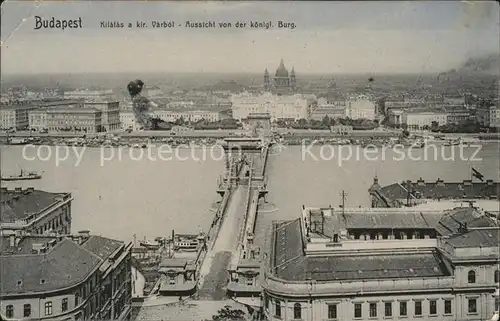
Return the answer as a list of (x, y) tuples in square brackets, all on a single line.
[(420, 182), (489, 182), (439, 182)]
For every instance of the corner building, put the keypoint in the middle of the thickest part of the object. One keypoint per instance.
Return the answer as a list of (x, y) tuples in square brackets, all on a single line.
[(309, 275), (80, 277)]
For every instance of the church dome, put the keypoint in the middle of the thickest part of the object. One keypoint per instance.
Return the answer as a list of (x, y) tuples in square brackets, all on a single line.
[(281, 71)]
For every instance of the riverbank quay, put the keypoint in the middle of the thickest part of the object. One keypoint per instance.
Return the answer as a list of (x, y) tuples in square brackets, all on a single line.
[(145, 139)]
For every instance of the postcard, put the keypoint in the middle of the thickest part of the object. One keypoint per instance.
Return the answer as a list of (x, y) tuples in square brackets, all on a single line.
[(234, 160)]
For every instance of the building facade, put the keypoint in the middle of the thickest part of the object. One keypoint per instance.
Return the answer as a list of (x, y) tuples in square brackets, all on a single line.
[(291, 107), (110, 113), (361, 108), (90, 95), (419, 119), (324, 275), (15, 117), (75, 119), (34, 211), (84, 278), (488, 116), (329, 108)]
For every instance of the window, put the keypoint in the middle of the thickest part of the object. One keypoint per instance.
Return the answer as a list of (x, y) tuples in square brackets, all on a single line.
[(250, 281), (447, 306), (77, 299), (172, 280), (277, 309), (27, 310), (64, 305), (9, 311), (357, 310), (418, 308), (297, 311), (373, 310), (497, 276), (266, 302), (471, 277), (472, 306), (48, 308), (403, 309), (432, 307), (388, 309), (332, 311)]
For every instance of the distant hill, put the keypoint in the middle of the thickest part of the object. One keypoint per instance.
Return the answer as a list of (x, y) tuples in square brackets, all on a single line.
[(482, 65), (232, 86)]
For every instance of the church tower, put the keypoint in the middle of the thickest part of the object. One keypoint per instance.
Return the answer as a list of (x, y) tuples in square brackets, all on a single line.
[(267, 83), (293, 84), (281, 79)]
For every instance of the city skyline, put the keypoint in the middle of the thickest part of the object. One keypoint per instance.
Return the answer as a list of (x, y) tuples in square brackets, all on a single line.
[(344, 38)]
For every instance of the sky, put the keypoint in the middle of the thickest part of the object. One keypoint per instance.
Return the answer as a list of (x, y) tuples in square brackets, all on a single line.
[(330, 37)]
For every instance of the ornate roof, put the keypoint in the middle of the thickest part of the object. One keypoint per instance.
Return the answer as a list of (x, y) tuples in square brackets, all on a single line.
[(282, 71)]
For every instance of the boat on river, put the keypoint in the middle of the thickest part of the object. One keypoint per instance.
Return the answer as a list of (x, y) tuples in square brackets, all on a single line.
[(23, 176)]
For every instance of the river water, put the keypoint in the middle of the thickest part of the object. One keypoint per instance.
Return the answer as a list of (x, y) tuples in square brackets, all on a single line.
[(149, 196)]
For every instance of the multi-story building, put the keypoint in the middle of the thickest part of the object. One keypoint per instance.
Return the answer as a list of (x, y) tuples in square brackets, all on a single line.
[(457, 115), (110, 113), (127, 120), (316, 270), (38, 117), (90, 95), (361, 108), (87, 120), (417, 119), (488, 116), (413, 193), (15, 116), (34, 211), (454, 99), (332, 109), (78, 277), (171, 115), (278, 106)]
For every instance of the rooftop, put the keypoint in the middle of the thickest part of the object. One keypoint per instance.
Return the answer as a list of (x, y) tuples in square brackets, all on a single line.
[(443, 190), (389, 219), (444, 222), (19, 204), (487, 237), (451, 222), (290, 262), (64, 263), (103, 247)]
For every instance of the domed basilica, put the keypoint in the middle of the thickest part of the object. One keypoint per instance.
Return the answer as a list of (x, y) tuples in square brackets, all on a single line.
[(283, 83)]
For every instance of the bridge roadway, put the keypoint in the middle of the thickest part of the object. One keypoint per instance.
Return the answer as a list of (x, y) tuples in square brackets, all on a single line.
[(214, 276), (213, 273)]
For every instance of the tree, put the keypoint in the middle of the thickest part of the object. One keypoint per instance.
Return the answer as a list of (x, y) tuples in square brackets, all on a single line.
[(326, 121), (434, 126), (229, 314), (179, 121)]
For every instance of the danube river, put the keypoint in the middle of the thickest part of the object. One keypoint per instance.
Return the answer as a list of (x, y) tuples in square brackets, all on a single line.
[(150, 197)]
